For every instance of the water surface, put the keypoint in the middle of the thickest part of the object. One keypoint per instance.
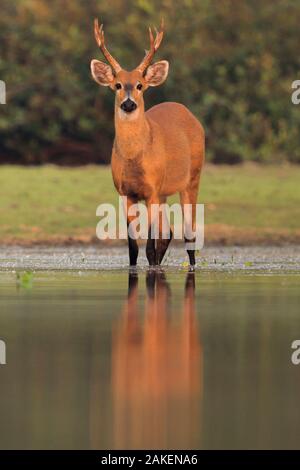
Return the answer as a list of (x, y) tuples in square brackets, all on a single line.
[(106, 360)]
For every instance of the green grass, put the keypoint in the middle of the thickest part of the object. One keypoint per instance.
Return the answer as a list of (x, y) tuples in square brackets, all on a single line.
[(40, 203), (253, 196)]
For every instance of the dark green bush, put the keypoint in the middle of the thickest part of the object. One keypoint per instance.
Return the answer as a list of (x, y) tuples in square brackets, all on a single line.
[(232, 63)]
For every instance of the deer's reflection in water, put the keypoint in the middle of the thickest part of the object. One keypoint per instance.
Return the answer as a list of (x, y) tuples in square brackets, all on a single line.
[(157, 368)]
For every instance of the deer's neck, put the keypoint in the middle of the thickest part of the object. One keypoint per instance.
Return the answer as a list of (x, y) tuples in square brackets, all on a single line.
[(132, 133)]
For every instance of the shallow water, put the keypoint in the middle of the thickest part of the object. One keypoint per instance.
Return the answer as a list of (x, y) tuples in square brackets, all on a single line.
[(87, 258), (177, 360)]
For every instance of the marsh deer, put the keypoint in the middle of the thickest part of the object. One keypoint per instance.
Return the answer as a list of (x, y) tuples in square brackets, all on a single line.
[(155, 153)]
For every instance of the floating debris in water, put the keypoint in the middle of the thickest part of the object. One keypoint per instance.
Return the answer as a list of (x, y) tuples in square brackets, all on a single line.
[(248, 264), (25, 280)]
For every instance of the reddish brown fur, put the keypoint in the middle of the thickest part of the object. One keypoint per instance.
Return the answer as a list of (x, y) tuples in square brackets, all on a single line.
[(167, 146), (155, 153), (156, 362)]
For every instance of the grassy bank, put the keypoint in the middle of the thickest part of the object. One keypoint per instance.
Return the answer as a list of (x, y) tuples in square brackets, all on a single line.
[(243, 204)]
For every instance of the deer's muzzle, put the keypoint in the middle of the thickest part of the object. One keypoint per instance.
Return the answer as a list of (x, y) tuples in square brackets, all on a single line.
[(128, 106)]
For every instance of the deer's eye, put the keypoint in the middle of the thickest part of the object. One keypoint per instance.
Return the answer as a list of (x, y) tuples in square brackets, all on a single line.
[(139, 86), (118, 86)]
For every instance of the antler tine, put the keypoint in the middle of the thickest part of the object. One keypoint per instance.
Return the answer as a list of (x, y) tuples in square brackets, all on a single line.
[(151, 38), (154, 45), (99, 36), (159, 34)]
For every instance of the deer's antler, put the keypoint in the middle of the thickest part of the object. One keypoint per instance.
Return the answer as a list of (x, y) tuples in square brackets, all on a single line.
[(99, 36), (154, 45)]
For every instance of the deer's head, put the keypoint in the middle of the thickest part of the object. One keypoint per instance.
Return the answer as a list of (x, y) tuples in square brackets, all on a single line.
[(129, 86)]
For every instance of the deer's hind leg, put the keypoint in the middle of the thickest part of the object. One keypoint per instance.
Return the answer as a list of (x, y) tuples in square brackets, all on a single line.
[(132, 243), (165, 233), (189, 197), (150, 246), (159, 232)]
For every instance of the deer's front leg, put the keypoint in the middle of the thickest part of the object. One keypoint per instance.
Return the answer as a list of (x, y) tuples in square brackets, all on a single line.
[(150, 247), (164, 231), (159, 232), (132, 243)]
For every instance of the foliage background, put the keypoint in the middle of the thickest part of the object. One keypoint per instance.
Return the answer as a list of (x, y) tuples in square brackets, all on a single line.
[(232, 63)]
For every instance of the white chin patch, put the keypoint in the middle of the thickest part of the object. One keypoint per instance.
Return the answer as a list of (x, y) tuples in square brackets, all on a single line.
[(128, 116)]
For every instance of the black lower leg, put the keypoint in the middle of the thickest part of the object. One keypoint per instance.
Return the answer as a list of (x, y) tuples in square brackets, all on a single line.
[(133, 251), (150, 249), (191, 252), (162, 246)]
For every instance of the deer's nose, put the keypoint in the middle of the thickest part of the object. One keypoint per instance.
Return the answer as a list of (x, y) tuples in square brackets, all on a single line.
[(128, 106)]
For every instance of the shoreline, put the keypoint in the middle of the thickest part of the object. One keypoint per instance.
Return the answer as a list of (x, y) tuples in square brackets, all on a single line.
[(226, 259), (215, 235)]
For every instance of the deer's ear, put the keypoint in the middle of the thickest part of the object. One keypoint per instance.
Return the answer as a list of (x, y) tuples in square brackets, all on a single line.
[(157, 73), (102, 73)]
